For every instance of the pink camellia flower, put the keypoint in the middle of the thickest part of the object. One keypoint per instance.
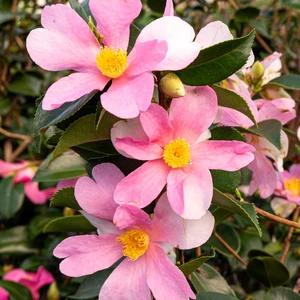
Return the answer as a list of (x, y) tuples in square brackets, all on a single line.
[(4, 295), (178, 154), (33, 281), (23, 172), (127, 231), (66, 42)]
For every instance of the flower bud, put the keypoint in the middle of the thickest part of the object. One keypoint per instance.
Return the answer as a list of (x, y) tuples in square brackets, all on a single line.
[(274, 93), (257, 70), (53, 292), (172, 86), (69, 211)]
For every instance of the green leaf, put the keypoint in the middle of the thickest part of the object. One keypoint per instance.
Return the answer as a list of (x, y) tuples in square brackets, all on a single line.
[(231, 237), (83, 131), (76, 223), (281, 293), (157, 5), (46, 118), (25, 84), (230, 99), (12, 197), (268, 271), (79, 9), (4, 17), (207, 279), (290, 81), (221, 214), (54, 139), (226, 133), (269, 129), (66, 198), (218, 62), (16, 291), (91, 285), (214, 296), (245, 210), (194, 264), (246, 14), (134, 33), (225, 181), (63, 167)]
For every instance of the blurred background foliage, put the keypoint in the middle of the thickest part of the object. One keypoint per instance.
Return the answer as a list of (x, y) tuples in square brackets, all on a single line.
[(22, 241)]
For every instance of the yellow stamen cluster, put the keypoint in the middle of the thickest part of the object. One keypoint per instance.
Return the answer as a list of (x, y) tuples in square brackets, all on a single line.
[(293, 185), (112, 62), (177, 153), (135, 243)]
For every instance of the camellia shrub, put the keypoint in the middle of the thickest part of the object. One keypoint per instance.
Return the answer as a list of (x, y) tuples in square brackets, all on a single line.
[(165, 135)]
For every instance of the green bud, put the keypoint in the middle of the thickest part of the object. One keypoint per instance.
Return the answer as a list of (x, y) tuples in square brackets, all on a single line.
[(53, 292), (257, 70), (172, 86)]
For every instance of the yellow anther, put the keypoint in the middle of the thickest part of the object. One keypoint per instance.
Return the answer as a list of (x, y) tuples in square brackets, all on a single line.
[(112, 62), (135, 243), (177, 154), (293, 185)]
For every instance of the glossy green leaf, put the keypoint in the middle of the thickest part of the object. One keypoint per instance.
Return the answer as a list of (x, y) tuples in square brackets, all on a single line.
[(16, 291), (281, 293), (194, 264), (269, 129), (230, 99), (268, 271), (83, 131), (225, 181), (63, 167), (229, 235), (226, 133), (221, 214), (12, 197), (207, 279), (218, 62), (25, 84), (214, 296), (91, 285), (65, 197), (245, 210), (46, 118), (290, 81), (77, 223), (134, 33), (79, 9)]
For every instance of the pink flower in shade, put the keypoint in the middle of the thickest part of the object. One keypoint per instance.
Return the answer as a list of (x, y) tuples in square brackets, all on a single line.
[(178, 154), (33, 281), (127, 231), (4, 295), (66, 42), (24, 173), (65, 183)]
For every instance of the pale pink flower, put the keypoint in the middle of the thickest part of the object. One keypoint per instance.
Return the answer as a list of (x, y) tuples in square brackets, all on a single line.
[(66, 42), (282, 207), (178, 154), (33, 281), (127, 231), (23, 173), (4, 295)]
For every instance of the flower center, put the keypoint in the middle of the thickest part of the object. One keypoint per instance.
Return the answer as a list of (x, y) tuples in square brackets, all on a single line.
[(135, 243), (177, 154), (293, 185), (112, 62)]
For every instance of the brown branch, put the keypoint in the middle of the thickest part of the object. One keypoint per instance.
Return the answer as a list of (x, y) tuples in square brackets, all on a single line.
[(230, 249), (233, 4), (198, 251), (263, 43), (14, 135), (287, 241), (20, 149)]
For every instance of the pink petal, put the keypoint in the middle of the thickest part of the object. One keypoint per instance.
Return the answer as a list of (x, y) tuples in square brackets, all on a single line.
[(66, 42), (43, 277), (179, 35), (194, 113), (24, 174), (273, 59), (4, 295), (169, 9), (127, 281), (91, 252), (114, 18), (71, 88), (35, 195), (282, 207), (165, 280), (190, 193), (139, 149), (213, 33), (143, 185), (127, 96), (189, 233), (222, 155), (16, 275), (295, 170), (145, 56), (65, 183), (131, 128), (7, 168), (127, 216), (96, 197), (156, 124)]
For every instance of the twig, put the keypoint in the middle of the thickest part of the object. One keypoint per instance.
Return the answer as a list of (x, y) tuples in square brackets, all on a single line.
[(198, 251), (14, 135), (287, 241), (20, 149), (263, 43), (230, 249), (233, 4), (297, 286)]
